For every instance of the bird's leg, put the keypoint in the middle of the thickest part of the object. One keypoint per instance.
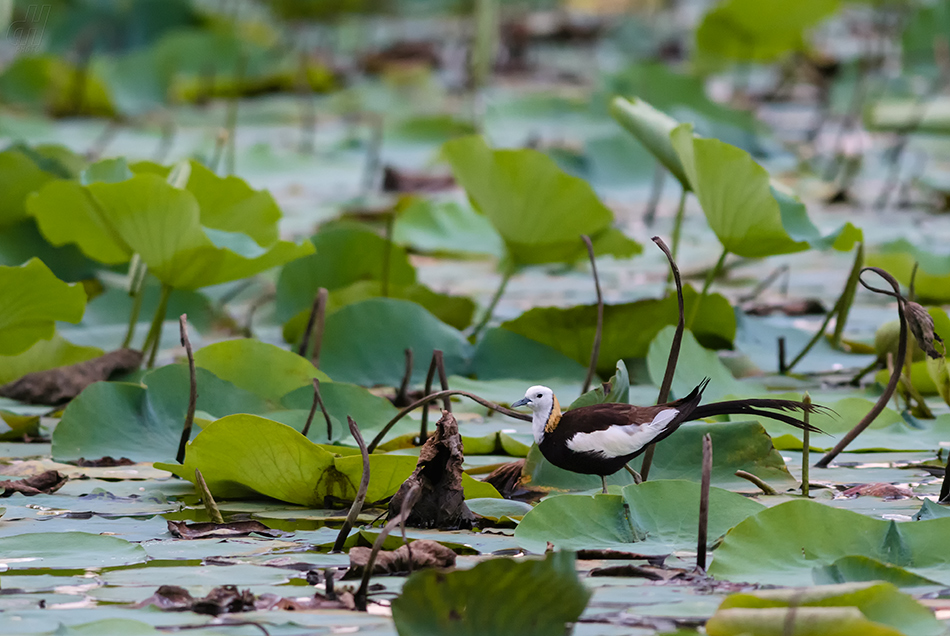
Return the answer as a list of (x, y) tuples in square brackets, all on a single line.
[(637, 479), (603, 480)]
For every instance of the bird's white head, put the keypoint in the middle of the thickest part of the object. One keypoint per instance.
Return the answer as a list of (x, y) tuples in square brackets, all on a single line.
[(545, 410)]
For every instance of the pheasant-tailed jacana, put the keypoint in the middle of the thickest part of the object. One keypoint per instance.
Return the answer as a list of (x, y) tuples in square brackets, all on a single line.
[(601, 438)]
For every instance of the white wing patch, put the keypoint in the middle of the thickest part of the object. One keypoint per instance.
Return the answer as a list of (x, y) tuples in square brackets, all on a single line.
[(616, 441)]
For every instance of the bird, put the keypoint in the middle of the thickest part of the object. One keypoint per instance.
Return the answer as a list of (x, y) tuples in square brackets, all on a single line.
[(600, 439)]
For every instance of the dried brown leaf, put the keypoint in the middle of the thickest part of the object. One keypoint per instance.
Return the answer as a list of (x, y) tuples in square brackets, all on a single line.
[(62, 384), (42, 484), (185, 530), (422, 554)]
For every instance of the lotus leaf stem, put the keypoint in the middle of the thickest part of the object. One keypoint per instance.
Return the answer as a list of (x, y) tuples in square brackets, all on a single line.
[(360, 494), (192, 390), (154, 336), (678, 222), (806, 445), (318, 401), (759, 483), (710, 277), (486, 317), (598, 334), (438, 363), (704, 503)]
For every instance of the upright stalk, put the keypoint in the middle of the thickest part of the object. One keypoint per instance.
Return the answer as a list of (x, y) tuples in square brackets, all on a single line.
[(505, 277), (678, 223), (154, 336), (137, 273), (713, 273)]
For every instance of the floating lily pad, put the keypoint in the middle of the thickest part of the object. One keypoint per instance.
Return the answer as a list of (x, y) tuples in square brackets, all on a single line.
[(505, 354), (785, 544), (67, 551), (655, 517)]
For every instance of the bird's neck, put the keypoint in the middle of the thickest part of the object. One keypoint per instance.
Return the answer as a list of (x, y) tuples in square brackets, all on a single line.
[(542, 423)]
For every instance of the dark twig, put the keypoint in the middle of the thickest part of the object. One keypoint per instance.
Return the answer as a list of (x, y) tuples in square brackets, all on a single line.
[(402, 396), (945, 487), (318, 401), (782, 367), (667, 383), (407, 504), (314, 327), (439, 395), (895, 374), (765, 283), (360, 494), (193, 389), (704, 503), (598, 334), (436, 364)]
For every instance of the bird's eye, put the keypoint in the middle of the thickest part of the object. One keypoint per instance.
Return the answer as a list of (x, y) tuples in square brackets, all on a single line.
[(538, 395)]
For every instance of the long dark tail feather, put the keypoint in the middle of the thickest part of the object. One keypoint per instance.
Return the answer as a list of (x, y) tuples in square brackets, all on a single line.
[(754, 408)]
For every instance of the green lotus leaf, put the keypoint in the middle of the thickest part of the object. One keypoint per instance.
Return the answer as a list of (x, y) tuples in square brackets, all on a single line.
[(446, 229), (499, 596), (539, 210), (652, 128), (619, 390), (746, 30), (44, 355), (241, 362), (571, 331), (14, 428), (879, 602), (19, 176), (143, 421), (246, 455), (655, 517), (345, 254), (932, 283), (456, 311), (147, 216), (693, 365), (364, 343), (33, 299), (502, 354), (48, 82), (785, 544), (67, 551), (752, 215)]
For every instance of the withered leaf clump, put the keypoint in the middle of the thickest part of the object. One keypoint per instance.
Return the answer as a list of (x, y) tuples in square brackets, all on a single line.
[(228, 599), (104, 462), (885, 491), (184, 530), (62, 384), (42, 484), (419, 555), (921, 324), (438, 474)]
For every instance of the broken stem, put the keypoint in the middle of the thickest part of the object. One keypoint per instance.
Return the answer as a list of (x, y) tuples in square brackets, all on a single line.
[(314, 328), (671, 361), (761, 485), (192, 392), (437, 363), (595, 352), (439, 395), (210, 506), (318, 401), (895, 374), (360, 494), (486, 317), (704, 503), (408, 502)]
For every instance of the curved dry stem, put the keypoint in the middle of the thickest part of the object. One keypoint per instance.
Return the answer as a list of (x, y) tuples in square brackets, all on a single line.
[(438, 395), (318, 401), (595, 352), (193, 389), (667, 383), (360, 494), (895, 375)]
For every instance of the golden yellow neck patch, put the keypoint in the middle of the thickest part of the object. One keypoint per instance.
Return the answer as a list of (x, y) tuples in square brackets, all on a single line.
[(554, 417)]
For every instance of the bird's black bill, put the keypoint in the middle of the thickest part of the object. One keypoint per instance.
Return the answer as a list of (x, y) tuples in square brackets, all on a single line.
[(522, 402)]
